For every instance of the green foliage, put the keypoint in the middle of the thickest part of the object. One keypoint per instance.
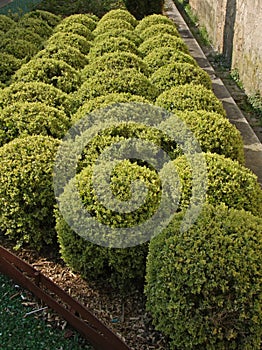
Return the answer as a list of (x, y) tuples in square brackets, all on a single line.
[(8, 65), (69, 55), (228, 182), (115, 61), (18, 48), (38, 26), (83, 19), (190, 97), (203, 286), (51, 19), (111, 24), (161, 40), (26, 192), (155, 29), (166, 55), (20, 33), (119, 14), (74, 28), (22, 119), (116, 33), (152, 20), (112, 44), (141, 8), (174, 74), (6, 23), (214, 133), (105, 101), (50, 71), (126, 80), (63, 40), (35, 92)]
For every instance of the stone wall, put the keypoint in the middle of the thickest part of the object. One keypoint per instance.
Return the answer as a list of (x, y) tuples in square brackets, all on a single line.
[(235, 29)]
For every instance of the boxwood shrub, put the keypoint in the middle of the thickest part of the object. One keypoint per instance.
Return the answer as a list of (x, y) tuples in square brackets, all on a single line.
[(50, 18), (116, 33), (126, 80), (174, 74), (31, 118), (154, 30), (8, 65), (75, 28), (70, 55), (190, 97), (115, 61), (36, 92), (165, 55), (119, 14), (20, 33), (141, 8), (203, 286), (50, 71), (19, 48), (87, 20), (112, 44), (228, 182), (112, 24), (151, 20), (6, 23), (38, 26), (214, 133), (105, 101), (62, 40), (161, 40), (26, 192)]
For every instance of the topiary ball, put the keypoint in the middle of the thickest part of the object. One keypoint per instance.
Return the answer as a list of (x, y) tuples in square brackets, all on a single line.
[(110, 81), (21, 33), (191, 98), (62, 40), (84, 19), (115, 61), (23, 119), (6, 23), (8, 65), (105, 26), (37, 26), (155, 19), (51, 19), (174, 74), (49, 71), (75, 28), (116, 33), (119, 14), (26, 193), (156, 29), (161, 40), (203, 286), (166, 55), (21, 49)]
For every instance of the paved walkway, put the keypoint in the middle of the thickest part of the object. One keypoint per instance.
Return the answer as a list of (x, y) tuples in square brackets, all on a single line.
[(252, 145)]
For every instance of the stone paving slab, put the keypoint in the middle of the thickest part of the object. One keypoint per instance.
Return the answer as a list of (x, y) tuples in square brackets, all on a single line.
[(252, 145)]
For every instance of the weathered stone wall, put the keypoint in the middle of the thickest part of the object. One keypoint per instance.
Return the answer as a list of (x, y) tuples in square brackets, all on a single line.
[(235, 28)]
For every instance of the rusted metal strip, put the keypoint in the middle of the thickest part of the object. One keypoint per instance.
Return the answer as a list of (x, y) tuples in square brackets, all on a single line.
[(77, 315)]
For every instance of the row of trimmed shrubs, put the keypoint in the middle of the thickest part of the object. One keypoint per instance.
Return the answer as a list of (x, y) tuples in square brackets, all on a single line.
[(22, 39), (182, 287)]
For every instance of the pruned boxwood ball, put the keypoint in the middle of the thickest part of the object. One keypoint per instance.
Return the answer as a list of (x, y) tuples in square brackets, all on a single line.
[(62, 40), (119, 14), (105, 26), (6, 23), (156, 29), (116, 33), (37, 26), (20, 33), (148, 21), (51, 19), (75, 28), (21, 49), (8, 65), (87, 20)]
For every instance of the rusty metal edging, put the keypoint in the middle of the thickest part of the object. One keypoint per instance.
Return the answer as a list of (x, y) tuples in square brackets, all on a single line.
[(77, 315)]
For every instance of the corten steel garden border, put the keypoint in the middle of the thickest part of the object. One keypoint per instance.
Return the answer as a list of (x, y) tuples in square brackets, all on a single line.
[(77, 315)]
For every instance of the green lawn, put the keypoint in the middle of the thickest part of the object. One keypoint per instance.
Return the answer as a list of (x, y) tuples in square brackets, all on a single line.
[(28, 333)]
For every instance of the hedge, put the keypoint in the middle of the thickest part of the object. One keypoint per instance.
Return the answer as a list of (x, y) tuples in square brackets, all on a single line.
[(119, 14), (161, 40), (190, 97), (214, 133), (115, 61), (8, 65), (174, 74), (149, 21), (50, 71), (84, 19), (6, 23), (116, 33), (21, 49), (165, 55), (35, 92), (105, 101), (23, 119), (26, 192), (154, 30), (228, 182), (112, 24), (112, 44), (126, 80), (63, 40), (203, 286), (50, 18), (20, 33), (69, 55), (141, 8), (75, 28), (38, 26)]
